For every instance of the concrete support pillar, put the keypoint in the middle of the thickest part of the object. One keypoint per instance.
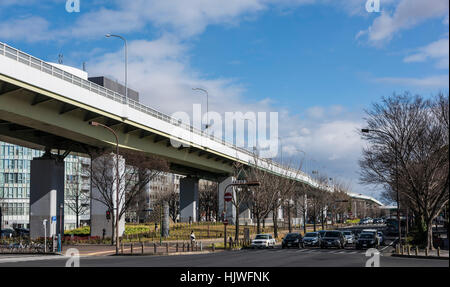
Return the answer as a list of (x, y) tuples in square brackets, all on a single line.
[(189, 199), (46, 195), (231, 209), (98, 206)]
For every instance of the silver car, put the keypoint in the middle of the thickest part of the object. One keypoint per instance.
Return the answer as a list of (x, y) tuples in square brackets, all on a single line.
[(349, 236), (263, 241)]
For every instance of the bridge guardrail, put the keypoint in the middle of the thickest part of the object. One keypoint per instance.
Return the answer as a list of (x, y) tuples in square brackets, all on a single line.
[(38, 64)]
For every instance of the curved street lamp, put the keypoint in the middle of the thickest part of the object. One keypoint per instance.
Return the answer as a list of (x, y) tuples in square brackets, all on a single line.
[(96, 124), (126, 68), (207, 104)]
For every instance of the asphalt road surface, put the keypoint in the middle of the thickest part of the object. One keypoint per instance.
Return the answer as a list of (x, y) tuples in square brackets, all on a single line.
[(243, 258)]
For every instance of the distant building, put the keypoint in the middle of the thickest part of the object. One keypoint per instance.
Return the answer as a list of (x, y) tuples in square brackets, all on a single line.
[(15, 164), (144, 204), (115, 86)]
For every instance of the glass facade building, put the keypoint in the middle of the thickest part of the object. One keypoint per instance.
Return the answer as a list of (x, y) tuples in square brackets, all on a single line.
[(15, 162)]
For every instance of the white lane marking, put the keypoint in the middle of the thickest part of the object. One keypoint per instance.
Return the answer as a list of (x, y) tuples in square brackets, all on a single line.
[(31, 258)]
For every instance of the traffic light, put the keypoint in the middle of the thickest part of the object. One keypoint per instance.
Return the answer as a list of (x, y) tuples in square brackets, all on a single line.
[(108, 215)]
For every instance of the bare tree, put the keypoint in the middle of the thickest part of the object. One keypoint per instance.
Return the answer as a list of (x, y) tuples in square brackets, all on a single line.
[(339, 201), (261, 198), (208, 199), (300, 198), (408, 153), (76, 198), (242, 195), (138, 172), (170, 196)]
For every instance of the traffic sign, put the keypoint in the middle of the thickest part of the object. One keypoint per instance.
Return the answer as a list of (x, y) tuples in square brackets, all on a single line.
[(228, 196), (225, 222)]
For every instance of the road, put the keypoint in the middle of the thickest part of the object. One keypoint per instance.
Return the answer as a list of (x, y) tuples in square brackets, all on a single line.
[(277, 257)]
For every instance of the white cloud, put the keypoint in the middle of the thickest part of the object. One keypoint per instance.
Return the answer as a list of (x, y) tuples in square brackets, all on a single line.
[(179, 17), (315, 112), (439, 81), (438, 50), (31, 29), (408, 14)]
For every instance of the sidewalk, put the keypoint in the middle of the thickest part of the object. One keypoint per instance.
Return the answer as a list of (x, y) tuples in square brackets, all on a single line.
[(148, 249), (433, 254)]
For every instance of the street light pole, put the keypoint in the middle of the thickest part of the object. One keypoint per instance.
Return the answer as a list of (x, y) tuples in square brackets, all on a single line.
[(281, 150), (126, 68), (207, 105), (117, 180), (396, 180), (61, 207)]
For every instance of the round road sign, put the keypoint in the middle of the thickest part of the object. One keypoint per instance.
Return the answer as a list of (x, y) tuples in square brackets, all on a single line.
[(228, 196)]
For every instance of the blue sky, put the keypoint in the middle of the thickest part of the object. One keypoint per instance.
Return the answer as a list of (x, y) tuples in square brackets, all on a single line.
[(319, 63)]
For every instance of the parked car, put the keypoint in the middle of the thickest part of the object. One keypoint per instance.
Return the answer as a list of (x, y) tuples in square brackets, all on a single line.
[(22, 232), (367, 240), (312, 239), (322, 233), (333, 238), (378, 221), (263, 241), (7, 232), (349, 236), (372, 231), (292, 240), (363, 221)]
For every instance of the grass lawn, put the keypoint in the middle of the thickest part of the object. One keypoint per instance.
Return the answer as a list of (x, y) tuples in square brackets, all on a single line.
[(182, 231)]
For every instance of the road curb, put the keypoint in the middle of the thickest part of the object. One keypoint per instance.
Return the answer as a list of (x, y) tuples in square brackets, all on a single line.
[(420, 256), (166, 254)]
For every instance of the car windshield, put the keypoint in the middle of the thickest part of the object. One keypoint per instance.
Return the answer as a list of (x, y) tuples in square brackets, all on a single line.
[(311, 234), (262, 236), (347, 232), (292, 235), (366, 235), (332, 234)]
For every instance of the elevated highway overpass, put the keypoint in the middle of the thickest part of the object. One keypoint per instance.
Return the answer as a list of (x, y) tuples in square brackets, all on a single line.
[(43, 106)]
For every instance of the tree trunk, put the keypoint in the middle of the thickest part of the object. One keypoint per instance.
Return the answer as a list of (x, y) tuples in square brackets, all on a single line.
[(321, 219), (304, 221), (430, 234), (112, 230), (289, 217), (315, 218), (236, 235), (275, 221), (258, 224)]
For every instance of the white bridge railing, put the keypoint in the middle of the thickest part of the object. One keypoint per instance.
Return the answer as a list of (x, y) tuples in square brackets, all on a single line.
[(42, 66)]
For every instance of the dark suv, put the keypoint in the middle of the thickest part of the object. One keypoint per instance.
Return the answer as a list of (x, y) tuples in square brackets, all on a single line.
[(292, 240), (367, 240), (333, 239)]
